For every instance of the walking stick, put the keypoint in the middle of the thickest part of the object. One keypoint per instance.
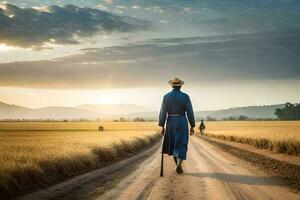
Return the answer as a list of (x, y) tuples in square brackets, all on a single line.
[(162, 159)]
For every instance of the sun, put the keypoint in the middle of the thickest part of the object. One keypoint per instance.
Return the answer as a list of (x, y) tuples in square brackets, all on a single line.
[(4, 47), (107, 98), (3, 6)]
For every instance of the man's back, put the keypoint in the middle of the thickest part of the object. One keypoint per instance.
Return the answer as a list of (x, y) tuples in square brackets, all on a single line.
[(176, 102), (176, 106)]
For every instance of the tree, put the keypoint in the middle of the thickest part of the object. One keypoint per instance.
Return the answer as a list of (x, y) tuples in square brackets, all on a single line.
[(243, 118), (289, 112), (138, 119), (209, 118), (123, 119)]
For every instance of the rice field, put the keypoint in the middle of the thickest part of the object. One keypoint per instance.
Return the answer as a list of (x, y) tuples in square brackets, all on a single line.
[(277, 136), (35, 154)]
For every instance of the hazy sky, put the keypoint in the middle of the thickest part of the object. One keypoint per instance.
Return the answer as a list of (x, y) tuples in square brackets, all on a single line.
[(230, 53)]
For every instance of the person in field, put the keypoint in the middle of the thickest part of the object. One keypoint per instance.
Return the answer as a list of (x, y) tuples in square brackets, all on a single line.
[(202, 127), (176, 111)]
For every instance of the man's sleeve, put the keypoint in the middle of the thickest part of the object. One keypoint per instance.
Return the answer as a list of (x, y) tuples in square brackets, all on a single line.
[(190, 112), (162, 114)]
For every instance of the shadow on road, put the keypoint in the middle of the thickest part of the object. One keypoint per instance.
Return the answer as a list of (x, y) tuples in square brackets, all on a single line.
[(244, 179)]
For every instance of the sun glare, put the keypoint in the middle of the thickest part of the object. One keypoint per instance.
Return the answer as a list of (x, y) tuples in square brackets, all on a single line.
[(3, 6), (4, 47), (107, 99)]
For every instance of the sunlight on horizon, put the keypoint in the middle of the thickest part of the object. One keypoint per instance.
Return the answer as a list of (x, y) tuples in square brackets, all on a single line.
[(47, 59), (203, 97), (4, 47)]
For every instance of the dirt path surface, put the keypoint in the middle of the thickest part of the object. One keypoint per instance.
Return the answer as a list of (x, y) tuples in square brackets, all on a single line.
[(209, 174)]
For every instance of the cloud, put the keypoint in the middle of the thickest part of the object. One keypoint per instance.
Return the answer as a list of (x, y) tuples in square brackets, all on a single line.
[(163, 21), (205, 16), (135, 7), (102, 7), (202, 60), (33, 27), (154, 9), (121, 7), (219, 16), (108, 1)]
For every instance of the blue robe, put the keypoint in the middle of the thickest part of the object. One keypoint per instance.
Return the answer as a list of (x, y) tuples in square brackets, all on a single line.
[(177, 133)]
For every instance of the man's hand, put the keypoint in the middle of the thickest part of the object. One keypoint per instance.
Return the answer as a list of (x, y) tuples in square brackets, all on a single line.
[(162, 130), (192, 131)]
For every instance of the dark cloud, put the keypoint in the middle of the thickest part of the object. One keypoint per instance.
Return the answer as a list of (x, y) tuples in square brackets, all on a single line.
[(201, 60), (32, 27), (202, 16), (224, 16)]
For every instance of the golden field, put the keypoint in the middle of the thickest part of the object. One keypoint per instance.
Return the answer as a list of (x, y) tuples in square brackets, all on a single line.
[(34, 155), (77, 126), (38, 154), (277, 136)]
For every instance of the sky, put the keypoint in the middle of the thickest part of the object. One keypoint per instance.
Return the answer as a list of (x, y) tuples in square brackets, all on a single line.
[(229, 53)]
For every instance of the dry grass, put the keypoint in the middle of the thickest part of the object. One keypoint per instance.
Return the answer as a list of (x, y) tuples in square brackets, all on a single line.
[(277, 136), (34, 159)]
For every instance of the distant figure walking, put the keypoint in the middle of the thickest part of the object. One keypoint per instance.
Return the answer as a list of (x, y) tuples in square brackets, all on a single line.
[(202, 127), (175, 106)]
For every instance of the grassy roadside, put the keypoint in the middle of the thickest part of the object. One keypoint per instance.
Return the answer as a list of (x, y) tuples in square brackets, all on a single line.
[(18, 181), (288, 146), (276, 136)]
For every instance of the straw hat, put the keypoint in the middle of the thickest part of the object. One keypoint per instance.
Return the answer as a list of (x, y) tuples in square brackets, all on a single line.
[(176, 82)]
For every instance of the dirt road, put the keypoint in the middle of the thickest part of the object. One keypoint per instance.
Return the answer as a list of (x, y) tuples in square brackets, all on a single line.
[(209, 174)]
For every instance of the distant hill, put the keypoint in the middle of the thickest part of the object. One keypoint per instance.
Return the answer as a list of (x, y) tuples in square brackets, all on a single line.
[(114, 109), (129, 111), (90, 111), (254, 112), (8, 111), (153, 115)]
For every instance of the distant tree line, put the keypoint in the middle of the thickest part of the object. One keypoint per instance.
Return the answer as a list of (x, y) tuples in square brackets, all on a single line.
[(289, 112), (230, 118), (137, 119), (121, 119), (236, 118), (49, 120), (209, 118)]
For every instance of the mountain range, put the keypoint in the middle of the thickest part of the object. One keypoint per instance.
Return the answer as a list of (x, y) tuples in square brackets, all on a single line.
[(8, 111), (88, 111), (129, 111), (253, 112)]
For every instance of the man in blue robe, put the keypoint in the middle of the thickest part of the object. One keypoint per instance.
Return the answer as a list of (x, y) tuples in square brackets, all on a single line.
[(176, 109)]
